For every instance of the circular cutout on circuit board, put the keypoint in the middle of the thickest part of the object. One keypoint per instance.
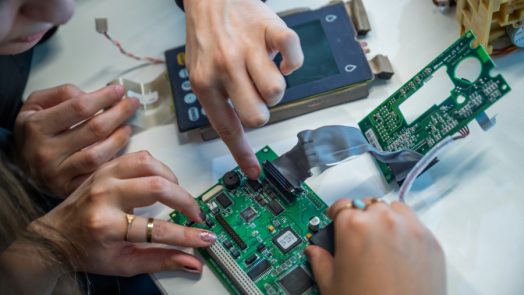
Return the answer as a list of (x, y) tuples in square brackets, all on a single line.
[(468, 69)]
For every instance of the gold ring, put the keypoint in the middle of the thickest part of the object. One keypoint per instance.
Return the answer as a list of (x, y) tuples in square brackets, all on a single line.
[(130, 218), (346, 206), (149, 231)]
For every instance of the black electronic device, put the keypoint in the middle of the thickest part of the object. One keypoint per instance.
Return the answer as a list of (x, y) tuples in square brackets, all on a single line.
[(335, 69)]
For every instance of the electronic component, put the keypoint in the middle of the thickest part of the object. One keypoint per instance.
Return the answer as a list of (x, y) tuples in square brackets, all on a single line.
[(261, 247), (314, 223), (224, 200), (209, 223), (248, 214), (222, 221), (279, 182), (227, 244), (234, 273), (234, 253), (297, 281), (254, 185), (286, 240), (259, 269), (275, 207), (250, 259), (231, 180), (213, 207), (240, 242), (325, 238), (388, 128), (211, 193)]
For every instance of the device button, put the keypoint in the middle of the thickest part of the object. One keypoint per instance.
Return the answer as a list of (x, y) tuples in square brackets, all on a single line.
[(183, 73), (350, 68), (193, 114), (181, 58), (331, 18), (186, 86), (190, 98)]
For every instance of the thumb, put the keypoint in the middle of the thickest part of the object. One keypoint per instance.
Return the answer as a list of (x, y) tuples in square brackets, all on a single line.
[(156, 259), (322, 265)]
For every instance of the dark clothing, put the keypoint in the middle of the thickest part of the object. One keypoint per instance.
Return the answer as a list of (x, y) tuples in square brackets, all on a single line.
[(14, 72)]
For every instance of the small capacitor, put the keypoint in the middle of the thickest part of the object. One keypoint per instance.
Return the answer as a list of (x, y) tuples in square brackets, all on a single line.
[(516, 34), (314, 224)]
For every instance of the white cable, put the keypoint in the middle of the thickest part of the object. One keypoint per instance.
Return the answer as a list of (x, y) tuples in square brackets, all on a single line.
[(421, 165)]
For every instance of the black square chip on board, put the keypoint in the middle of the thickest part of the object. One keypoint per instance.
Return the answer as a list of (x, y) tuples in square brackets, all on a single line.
[(297, 282)]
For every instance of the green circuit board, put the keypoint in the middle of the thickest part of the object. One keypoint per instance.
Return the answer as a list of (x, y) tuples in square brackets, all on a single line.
[(387, 129), (262, 232)]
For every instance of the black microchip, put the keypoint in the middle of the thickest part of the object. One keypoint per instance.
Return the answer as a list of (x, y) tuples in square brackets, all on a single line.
[(325, 238), (259, 269), (209, 223), (228, 244), (261, 247), (251, 259), (254, 185), (286, 240), (224, 200), (235, 253), (297, 281), (275, 207), (248, 214)]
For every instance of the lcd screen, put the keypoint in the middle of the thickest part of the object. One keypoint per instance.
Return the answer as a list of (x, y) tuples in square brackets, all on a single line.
[(319, 62)]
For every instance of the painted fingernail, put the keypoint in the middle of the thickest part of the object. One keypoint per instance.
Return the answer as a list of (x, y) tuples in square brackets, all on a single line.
[(191, 269), (208, 237)]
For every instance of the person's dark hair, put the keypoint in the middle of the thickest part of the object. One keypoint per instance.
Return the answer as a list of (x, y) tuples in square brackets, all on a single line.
[(17, 211)]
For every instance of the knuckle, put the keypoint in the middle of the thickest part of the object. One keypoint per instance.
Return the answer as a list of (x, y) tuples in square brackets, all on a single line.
[(67, 88), (43, 156), (93, 159), (200, 81), (80, 108), (389, 220), (159, 186), (160, 231), (144, 157), (273, 91), (98, 128), (353, 220)]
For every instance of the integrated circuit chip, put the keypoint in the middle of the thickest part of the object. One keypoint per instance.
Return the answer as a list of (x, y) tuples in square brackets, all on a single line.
[(286, 240), (297, 282), (275, 207), (248, 214), (224, 200), (259, 269), (254, 185)]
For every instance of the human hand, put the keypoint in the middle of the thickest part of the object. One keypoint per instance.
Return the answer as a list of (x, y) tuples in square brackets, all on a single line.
[(230, 48), (60, 138), (93, 220), (382, 250)]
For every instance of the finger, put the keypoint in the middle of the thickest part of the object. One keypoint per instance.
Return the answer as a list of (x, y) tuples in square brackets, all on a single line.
[(100, 126), (322, 265), (284, 40), (168, 233), (251, 108), (89, 159), (145, 191), (339, 205), (404, 210), (80, 108), (51, 97), (139, 164), (154, 259), (225, 121), (267, 78)]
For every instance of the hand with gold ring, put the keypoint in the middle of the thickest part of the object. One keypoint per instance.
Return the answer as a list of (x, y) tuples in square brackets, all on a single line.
[(379, 249), (96, 223)]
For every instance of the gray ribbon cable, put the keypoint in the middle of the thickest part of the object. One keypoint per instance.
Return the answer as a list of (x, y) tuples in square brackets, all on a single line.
[(326, 146)]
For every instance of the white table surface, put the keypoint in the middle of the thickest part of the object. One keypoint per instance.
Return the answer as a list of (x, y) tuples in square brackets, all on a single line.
[(472, 199)]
